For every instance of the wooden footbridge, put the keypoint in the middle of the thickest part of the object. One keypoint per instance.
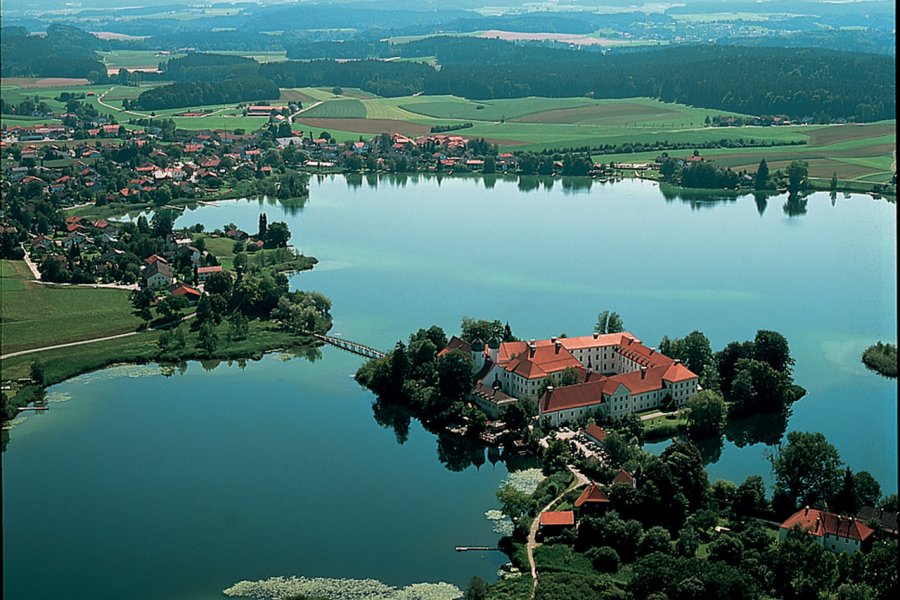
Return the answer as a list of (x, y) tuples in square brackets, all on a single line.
[(351, 346)]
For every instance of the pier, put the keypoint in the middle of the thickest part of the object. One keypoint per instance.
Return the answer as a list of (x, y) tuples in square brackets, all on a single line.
[(477, 549), (24, 408)]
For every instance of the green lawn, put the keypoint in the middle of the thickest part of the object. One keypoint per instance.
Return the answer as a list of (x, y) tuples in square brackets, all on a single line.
[(34, 315)]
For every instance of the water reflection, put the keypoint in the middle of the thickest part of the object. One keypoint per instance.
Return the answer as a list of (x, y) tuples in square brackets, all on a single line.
[(795, 206), (393, 416), (458, 453), (698, 198), (765, 429)]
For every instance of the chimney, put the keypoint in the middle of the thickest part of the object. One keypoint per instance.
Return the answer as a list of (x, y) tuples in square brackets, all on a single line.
[(643, 372), (596, 335), (547, 397), (531, 349), (677, 361), (652, 351), (549, 391), (558, 345), (553, 339), (806, 510)]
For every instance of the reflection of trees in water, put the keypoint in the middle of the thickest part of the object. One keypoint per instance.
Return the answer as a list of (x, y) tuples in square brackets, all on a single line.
[(761, 203), (710, 448), (354, 180), (457, 453), (697, 198), (795, 206), (765, 429), (392, 416)]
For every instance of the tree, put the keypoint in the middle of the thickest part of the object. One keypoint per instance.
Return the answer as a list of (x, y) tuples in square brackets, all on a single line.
[(797, 173), (807, 469), (834, 181), (207, 338), (263, 226), (455, 374), (707, 413), (605, 559), (609, 322), (238, 326), (772, 347), (515, 417), (204, 310), (761, 181), (473, 329), (750, 496), (37, 373), (477, 589), (655, 539), (277, 235), (515, 504)]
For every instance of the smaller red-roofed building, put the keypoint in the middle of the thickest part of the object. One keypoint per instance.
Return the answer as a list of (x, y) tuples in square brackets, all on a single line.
[(623, 477), (595, 433), (191, 294), (592, 501), (203, 273), (555, 522), (836, 533)]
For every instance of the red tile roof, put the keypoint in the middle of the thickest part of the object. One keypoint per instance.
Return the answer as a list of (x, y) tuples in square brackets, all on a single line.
[(820, 523), (545, 360), (596, 432), (589, 341), (213, 269), (456, 343), (623, 477), (558, 518), (678, 372), (592, 495), (185, 290), (573, 396)]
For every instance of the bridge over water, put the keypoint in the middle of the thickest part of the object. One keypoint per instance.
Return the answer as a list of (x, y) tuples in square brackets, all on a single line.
[(351, 346)]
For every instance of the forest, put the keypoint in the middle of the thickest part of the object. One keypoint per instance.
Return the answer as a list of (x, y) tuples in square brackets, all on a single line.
[(64, 52), (223, 92)]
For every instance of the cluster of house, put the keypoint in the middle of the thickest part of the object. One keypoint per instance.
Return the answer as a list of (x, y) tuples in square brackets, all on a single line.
[(836, 533), (593, 501), (614, 373)]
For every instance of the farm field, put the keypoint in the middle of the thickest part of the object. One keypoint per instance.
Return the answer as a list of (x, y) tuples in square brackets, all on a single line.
[(855, 152), (35, 315), (134, 59)]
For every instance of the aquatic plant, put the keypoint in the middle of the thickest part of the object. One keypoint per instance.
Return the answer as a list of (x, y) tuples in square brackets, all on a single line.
[(279, 588)]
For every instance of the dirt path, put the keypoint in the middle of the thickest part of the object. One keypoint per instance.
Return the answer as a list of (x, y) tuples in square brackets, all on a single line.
[(580, 480), (303, 110), (111, 107)]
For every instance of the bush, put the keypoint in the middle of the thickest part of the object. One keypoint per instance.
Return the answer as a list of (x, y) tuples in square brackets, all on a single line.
[(604, 559), (881, 358)]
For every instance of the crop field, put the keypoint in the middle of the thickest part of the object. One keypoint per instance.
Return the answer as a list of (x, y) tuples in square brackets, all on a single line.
[(35, 315), (134, 59), (353, 127), (450, 107), (337, 109)]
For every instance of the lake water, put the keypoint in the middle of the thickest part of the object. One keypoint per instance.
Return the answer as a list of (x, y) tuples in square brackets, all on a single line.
[(147, 486)]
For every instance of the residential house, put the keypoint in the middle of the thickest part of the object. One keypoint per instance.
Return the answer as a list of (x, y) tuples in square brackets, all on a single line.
[(203, 273), (592, 501), (836, 533), (158, 275), (555, 522)]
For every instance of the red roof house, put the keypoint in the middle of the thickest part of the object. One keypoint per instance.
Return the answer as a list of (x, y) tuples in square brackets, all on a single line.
[(837, 533)]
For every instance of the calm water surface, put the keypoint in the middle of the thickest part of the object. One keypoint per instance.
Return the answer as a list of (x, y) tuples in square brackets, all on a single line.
[(148, 486)]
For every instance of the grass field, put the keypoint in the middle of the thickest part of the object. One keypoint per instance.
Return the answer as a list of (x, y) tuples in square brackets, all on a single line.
[(349, 108), (35, 315)]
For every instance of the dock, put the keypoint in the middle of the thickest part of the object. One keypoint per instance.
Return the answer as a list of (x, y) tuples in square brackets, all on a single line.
[(477, 549), (23, 408)]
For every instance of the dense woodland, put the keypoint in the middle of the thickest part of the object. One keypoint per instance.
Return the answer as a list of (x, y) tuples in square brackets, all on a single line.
[(64, 52), (231, 90)]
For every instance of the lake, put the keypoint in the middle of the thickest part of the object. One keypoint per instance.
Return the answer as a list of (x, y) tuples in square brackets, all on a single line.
[(144, 485)]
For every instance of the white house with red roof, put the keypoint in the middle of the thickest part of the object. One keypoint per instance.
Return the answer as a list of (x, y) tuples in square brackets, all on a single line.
[(837, 533), (617, 373)]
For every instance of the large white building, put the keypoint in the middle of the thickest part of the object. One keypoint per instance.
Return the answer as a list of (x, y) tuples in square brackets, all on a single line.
[(616, 374), (834, 532)]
